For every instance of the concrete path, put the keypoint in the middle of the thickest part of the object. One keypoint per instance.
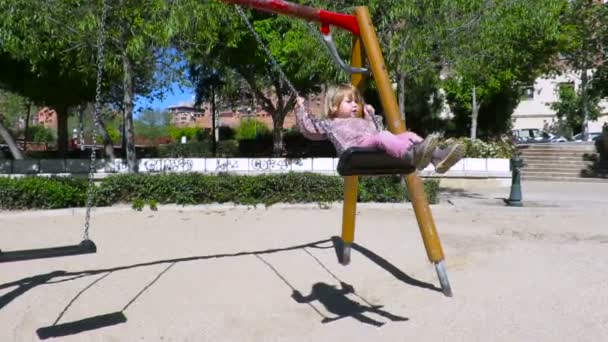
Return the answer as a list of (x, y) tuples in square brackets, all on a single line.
[(222, 273)]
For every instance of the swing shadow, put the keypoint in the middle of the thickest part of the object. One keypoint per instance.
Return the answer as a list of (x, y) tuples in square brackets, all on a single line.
[(336, 301), (96, 322), (383, 263), (104, 320)]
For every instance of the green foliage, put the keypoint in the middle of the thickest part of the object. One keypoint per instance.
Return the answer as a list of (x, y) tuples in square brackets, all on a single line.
[(503, 148), (113, 133), (152, 124), (190, 150), (41, 134), (498, 103), (569, 108), (139, 190), (191, 133), (42, 193), (250, 129), (12, 106)]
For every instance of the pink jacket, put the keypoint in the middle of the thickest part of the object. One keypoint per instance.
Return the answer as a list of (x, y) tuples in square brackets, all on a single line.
[(343, 133)]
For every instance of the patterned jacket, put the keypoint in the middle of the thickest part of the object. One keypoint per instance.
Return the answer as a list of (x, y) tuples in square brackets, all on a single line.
[(342, 132)]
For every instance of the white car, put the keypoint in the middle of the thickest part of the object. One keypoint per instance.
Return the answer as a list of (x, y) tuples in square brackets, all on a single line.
[(592, 136), (535, 135)]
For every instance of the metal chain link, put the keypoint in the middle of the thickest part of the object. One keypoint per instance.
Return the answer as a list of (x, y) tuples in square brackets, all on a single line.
[(96, 113), (269, 55)]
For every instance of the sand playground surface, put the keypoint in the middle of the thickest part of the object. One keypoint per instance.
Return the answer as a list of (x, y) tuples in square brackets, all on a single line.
[(226, 273)]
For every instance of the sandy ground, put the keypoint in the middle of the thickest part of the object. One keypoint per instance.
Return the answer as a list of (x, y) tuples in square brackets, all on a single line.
[(220, 273)]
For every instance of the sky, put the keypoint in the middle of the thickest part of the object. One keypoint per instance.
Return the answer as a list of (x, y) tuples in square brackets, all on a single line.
[(173, 97)]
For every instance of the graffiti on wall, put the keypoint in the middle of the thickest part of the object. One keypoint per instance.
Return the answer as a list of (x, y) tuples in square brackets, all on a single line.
[(270, 164), (167, 165)]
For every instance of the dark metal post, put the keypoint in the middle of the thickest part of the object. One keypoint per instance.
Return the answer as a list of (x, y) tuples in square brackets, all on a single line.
[(515, 197)]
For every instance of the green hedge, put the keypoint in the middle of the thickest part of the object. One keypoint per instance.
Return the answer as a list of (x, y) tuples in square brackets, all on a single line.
[(193, 188)]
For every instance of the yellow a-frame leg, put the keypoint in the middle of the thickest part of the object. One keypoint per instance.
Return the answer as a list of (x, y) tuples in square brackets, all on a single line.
[(368, 43), (351, 183)]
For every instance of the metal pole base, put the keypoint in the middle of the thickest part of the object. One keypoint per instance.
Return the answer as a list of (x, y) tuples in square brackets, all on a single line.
[(345, 254), (443, 279), (514, 203)]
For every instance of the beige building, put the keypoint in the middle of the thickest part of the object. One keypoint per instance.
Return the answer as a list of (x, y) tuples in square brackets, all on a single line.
[(534, 111)]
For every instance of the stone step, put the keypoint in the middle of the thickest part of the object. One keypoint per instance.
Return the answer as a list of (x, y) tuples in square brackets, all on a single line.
[(555, 154), (551, 173), (553, 167), (553, 160), (565, 179)]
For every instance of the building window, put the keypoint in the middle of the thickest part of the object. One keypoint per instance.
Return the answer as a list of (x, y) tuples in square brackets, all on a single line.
[(527, 92)]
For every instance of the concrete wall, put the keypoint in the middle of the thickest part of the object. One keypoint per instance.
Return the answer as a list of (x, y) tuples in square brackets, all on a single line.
[(466, 168)]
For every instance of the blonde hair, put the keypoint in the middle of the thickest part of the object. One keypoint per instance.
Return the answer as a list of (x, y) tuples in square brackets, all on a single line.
[(335, 95)]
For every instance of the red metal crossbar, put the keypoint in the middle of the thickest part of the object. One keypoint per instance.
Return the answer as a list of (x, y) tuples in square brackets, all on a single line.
[(345, 21)]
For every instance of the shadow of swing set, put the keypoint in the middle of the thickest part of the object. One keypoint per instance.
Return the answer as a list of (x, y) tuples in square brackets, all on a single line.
[(353, 163), (333, 299)]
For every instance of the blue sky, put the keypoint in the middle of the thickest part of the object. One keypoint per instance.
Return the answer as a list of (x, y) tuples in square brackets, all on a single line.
[(173, 97)]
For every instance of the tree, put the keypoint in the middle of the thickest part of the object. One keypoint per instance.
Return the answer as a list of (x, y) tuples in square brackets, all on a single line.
[(50, 52), (486, 46), (586, 37), (11, 113), (52, 47), (510, 43), (226, 39), (208, 81), (152, 124), (570, 108)]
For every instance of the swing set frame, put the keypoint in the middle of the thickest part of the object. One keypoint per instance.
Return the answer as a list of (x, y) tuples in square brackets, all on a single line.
[(353, 162), (366, 47)]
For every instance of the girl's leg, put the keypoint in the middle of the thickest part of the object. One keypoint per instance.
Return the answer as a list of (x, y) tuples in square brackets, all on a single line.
[(417, 154), (410, 136), (389, 143)]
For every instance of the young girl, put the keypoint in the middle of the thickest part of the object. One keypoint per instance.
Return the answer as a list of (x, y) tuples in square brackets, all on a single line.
[(345, 129)]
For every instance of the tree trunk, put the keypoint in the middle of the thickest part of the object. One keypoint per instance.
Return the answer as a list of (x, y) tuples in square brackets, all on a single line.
[(26, 137), (401, 78), (8, 138), (474, 116), (128, 111), (108, 144), (214, 128), (585, 103), (277, 134), (62, 129)]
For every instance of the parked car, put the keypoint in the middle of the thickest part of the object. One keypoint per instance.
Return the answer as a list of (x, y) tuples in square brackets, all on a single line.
[(592, 136), (535, 135)]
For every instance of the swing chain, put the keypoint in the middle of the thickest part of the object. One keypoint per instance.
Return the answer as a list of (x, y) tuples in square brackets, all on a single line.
[(96, 114), (275, 64)]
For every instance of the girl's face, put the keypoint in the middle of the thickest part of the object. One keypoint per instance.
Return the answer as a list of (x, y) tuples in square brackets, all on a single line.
[(348, 108)]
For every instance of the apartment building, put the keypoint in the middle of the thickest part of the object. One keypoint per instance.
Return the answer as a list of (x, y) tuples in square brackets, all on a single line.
[(534, 110)]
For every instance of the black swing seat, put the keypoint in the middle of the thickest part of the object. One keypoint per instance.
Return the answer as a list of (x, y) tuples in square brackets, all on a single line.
[(364, 161), (84, 247)]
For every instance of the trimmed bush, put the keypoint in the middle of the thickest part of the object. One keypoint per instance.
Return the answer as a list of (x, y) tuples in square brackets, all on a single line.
[(42, 193), (194, 188)]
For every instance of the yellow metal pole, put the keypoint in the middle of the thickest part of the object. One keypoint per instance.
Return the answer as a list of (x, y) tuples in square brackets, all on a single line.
[(397, 125), (349, 210)]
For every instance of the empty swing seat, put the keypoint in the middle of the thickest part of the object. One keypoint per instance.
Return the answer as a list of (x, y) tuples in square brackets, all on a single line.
[(84, 247), (364, 161)]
